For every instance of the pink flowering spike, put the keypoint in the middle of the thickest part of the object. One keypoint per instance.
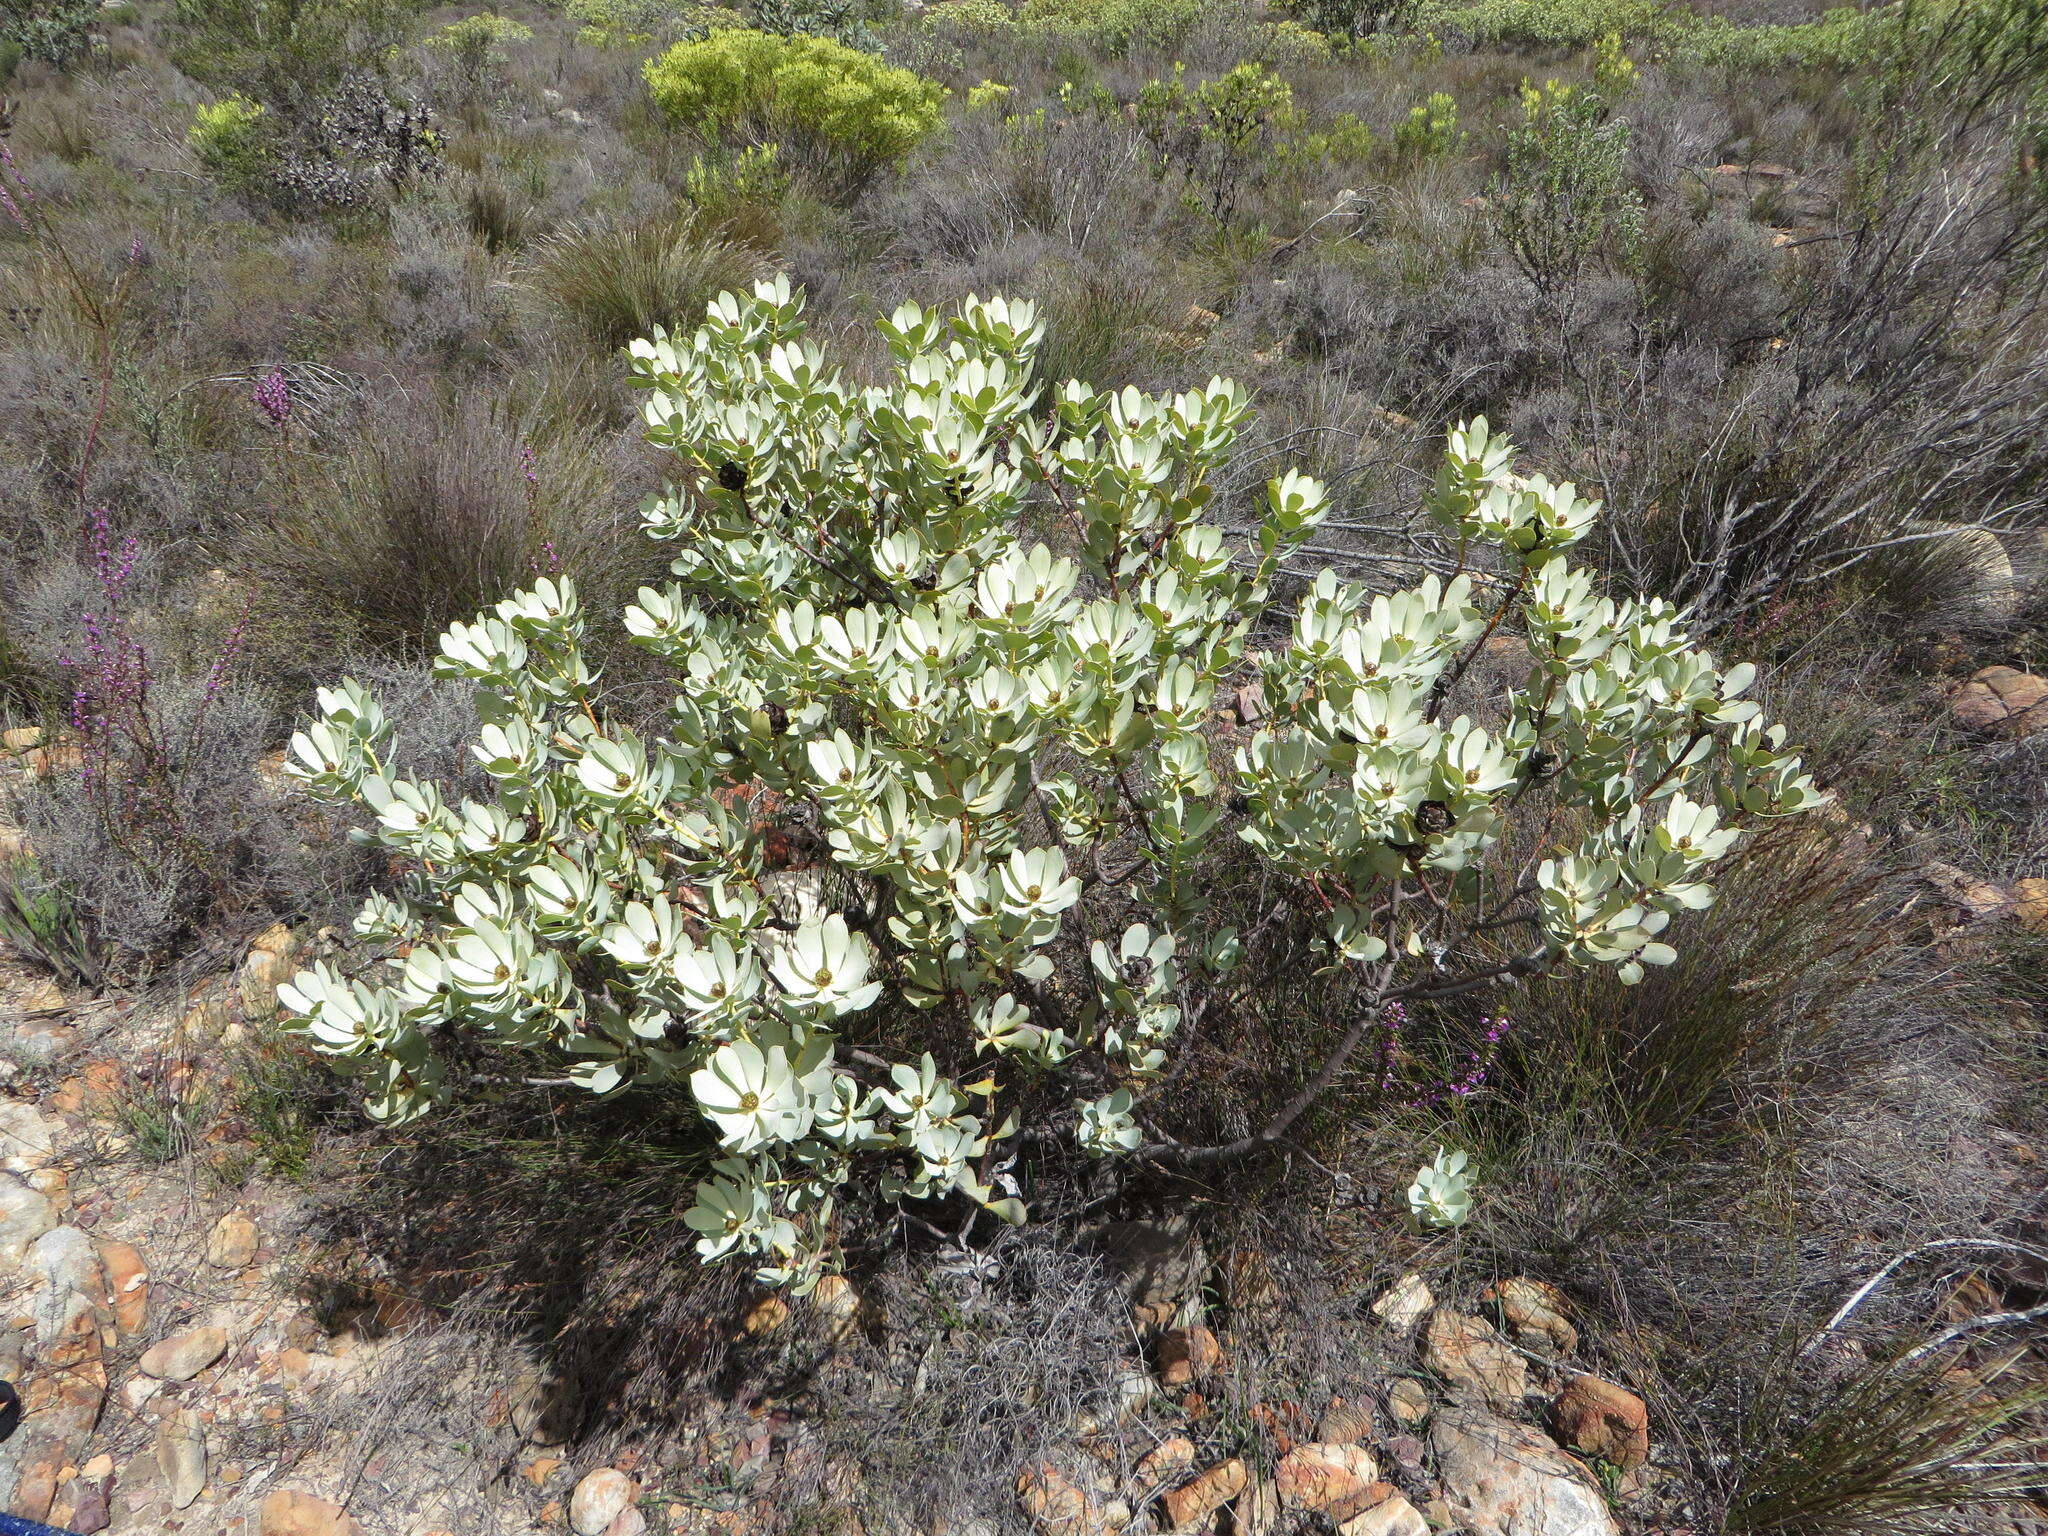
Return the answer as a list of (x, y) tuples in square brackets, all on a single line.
[(273, 397)]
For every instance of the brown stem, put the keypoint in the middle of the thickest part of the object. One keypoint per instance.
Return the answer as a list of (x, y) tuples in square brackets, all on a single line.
[(1174, 1154)]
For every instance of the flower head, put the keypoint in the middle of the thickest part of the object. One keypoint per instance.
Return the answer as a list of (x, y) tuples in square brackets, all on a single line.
[(273, 397)]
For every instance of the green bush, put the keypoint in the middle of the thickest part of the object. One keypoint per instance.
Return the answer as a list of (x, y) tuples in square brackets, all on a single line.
[(938, 841), (49, 31), (285, 53), (227, 136), (1119, 26), (1543, 23), (1838, 39), (639, 23), (1116, 25), (1565, 195), (1354, 19), (825, 104), (1430, 129), (475, 47), (1219, 132)]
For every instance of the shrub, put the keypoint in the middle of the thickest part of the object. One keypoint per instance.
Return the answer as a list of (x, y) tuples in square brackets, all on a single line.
[(1838, 39), (824, 103), (1565, 194), (287, 54), (1116, 25), (1354, 19), (1543, 23), (1613, 70), (49, 31), (1218, 133), (1122, 26), (638, 23), (739, 193), (1018, 768), (989, 96), (1429, 130), (227, 137), (475, 47), (347, 149), (377, 138), (1288, 43), (618, 280)]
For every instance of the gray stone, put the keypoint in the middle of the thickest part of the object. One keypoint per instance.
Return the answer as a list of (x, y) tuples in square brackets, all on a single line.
[(181, 1457), (1506, 1479), (25, 1215), (600, 1499), (184, 1355)]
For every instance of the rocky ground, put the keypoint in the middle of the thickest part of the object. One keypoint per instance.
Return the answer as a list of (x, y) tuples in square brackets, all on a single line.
[(182, 1369)]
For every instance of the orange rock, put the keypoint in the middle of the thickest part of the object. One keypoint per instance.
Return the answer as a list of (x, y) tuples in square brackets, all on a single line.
[(63, 757), (1187, 1355), (2002, 701), (127, 1285), (272, 958), (184, 1355), (295, 1365), (231, 1244), (288, 1513), (1345, 1423), (1472, 1356), (2031, 904), (1386, 1512), (1604, 1420), (1976, 899), (1052, 1503), (1200, 1497), (103, 1081), (1329, 1480), (68, 1097), (1283, 1423), (1169, 1458), (1535, 1312)]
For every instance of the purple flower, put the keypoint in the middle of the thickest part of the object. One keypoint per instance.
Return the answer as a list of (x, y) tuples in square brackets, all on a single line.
[(14, 192), (1394, 1018), (273, 397)]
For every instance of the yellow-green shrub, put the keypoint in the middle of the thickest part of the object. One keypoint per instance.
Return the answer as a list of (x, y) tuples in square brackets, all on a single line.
[(1116, 24), (988, 95), (1546, 23), (1286, 42), (476, 45), (1430, 129), (821, 101), (639, 23), (226, 135)]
